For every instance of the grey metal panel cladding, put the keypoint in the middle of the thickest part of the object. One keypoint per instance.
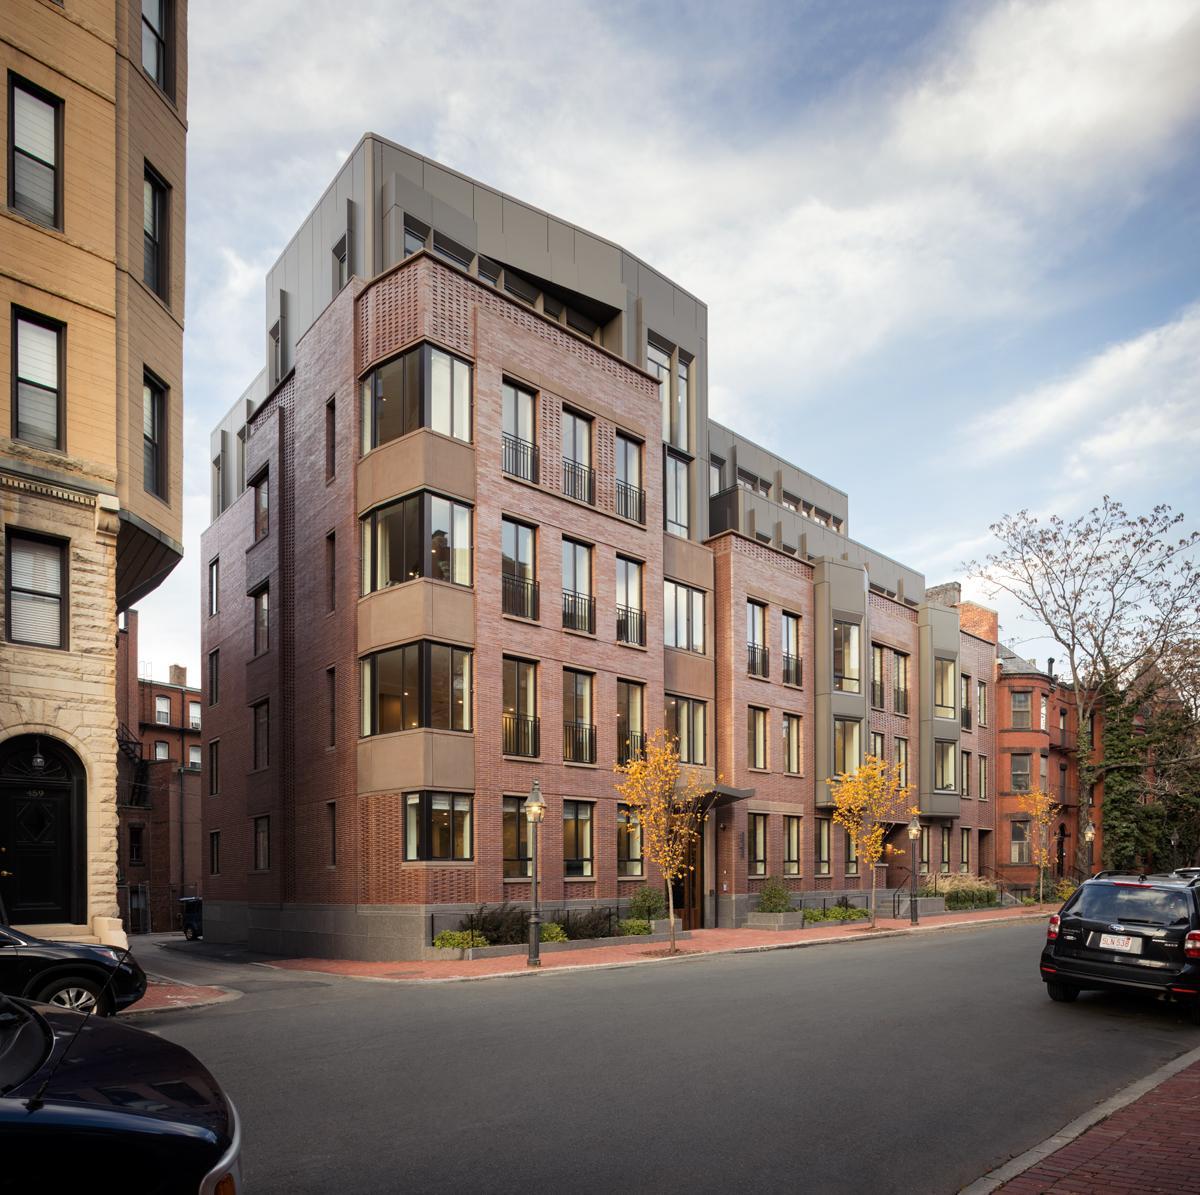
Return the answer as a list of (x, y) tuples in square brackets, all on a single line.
[(489, 220), (452, 190)]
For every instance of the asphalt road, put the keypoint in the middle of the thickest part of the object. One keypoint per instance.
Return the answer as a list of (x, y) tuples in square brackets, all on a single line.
[(902, 1065)]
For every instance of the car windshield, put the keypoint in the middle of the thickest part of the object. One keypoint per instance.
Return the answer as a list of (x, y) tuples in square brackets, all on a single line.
[(1131, 905)]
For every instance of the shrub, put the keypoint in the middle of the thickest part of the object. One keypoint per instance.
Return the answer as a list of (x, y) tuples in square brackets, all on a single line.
[(633, 927), (459, 939), (553, 932), (1029, 900), (501, 925), (587, 923), (836, 913), (1064, 888), (774, 897), (962, 891), (647, 904)]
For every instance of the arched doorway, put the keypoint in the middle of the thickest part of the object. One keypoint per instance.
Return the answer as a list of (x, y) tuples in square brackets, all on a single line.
[(43, 803)]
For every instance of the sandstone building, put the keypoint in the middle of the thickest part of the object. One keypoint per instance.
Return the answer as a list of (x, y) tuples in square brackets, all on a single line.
[(91, 340)]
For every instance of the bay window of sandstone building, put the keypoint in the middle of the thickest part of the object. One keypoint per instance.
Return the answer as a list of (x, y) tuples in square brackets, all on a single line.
[(515, 835), (577, 839), (685, 721), (943, 688), (847, 745), (437, 826), (424, 387), (629, 842), (756, 844), (421, 535), (519, 454), (791, 845), (683, 617), (39, 359), (846, 667), (421, 684), (518, 569)]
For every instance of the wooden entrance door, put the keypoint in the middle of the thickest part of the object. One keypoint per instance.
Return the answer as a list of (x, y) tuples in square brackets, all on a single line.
[(689, 888)]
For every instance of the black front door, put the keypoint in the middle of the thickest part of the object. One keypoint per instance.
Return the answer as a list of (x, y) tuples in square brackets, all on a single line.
[(35, 830)]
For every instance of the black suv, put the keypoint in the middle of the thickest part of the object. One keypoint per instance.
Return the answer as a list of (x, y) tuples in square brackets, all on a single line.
[(1127, 932), (70, 974)]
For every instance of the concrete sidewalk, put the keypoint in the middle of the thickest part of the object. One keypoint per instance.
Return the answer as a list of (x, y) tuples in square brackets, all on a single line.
[(1142, 1140), (637, 952)]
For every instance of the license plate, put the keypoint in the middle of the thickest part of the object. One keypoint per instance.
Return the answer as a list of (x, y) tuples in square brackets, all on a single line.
[(1124, 943)]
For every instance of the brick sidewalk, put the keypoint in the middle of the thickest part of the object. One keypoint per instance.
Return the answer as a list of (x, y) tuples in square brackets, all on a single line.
[(162, 994), (1151, 1145), (703, 941)]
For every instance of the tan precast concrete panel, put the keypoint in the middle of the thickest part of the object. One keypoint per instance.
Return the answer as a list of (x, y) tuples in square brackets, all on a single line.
[(426, 758), (687, 562), (419, 460), (689, 674), (420, 609)]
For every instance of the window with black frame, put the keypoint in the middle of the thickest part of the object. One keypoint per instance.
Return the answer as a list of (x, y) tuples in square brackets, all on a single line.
[(519, 447), (685, 720), (156, 17), (631, 617), (578, 602), (944, 697), (631, 737), (515, 836), (629, 842), (683, 616), (437, 826), (578, 476), (793, 673), (421, 535), (579, 731), (791, 845), (35, 152), (36, 590), (419, 685), (518, 569), (155, 220), (756, 844), (758, 657), (676, 470), (154, 436), (899, 682), (38, 411), (521, 725), (577, 839), (756, 737), (630, 495), (422, 388)]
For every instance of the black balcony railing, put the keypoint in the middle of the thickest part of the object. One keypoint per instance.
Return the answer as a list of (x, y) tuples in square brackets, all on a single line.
[(631, 502), (579, 611), (758, 659), (579, 742), (793, 670), (631, 625), (965, 718), (900, 701), (520, 458), (630, 746), (519, 596), (877, 694), (579, 481), (522, 735)]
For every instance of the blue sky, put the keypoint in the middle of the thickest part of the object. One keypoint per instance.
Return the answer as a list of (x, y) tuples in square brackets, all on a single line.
[(951, 251)]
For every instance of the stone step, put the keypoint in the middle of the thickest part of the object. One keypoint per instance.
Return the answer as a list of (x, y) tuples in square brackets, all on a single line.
[(77, 934)]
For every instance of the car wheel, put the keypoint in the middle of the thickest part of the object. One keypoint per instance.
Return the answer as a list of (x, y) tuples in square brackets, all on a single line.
[(1061, 993), (189, 933), (76, 993)]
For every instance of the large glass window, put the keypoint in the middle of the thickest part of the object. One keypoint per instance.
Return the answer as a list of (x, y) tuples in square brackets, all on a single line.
[(877, 676), (515, 832), (631, 727), (683, 616), (577, 838), (847, 745), (36, 583), (900, 682), (846, 668), (791, 845), (423, 535), (437, 825), (422, 684), (154, 436), (520, 455), (791, 744), (823, 831), (579, 480), (520, 707), (1020, 710), (579, 730), (756, 737), (579, 606), (424, 387), (1018, 850), (1020, 773), (792, 670), (756, 844), (38, 370), (943, 689), (686, 722), (34, 152), (630, 496), (631, 618), (518, 569), (155, 206), (944, 757), (629, 842), (675, 485)]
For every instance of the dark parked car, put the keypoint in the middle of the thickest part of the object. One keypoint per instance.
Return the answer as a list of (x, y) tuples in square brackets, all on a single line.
[(1132, 933), (123, 1110), (71, 975)]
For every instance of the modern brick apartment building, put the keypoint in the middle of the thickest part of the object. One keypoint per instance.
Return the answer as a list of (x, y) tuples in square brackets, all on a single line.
[(472, 528), (158, 790), (91, 346), (1038, 736)]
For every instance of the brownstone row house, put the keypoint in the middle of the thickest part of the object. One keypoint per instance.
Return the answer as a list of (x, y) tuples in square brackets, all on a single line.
[(94, 97), (158, 790), (472, 527)]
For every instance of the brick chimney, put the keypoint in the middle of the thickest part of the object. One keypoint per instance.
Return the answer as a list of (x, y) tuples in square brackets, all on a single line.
[(178, 675)]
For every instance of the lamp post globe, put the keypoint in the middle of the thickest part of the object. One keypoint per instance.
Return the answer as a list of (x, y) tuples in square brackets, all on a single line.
[(535, 811)]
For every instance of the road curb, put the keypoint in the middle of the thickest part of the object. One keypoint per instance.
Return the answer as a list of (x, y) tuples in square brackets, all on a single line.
[(760, 948), (1017, 1166), (227, 996)]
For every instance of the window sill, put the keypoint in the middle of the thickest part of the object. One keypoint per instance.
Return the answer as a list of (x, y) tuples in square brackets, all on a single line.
[(579, 879), (521, 880), (427, 864), (760, 771), (571, 763), (787, 684), (755, 676), (580, 634), (522, 758), (632, 646), (529, 622)]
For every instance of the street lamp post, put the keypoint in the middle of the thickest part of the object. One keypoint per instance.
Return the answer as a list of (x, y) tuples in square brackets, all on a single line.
[(1089, 836), (535, 810), (914, 832)]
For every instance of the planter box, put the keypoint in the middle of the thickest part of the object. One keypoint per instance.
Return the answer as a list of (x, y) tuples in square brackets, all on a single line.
[(662, 925), (434, 954), (793, 920)]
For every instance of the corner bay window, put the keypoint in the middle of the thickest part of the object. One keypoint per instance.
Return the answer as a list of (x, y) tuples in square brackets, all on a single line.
[(437, 826), (756, 844), (685, 721), (515, 833), (577, 839), (423, 535), (154, 439), (846, 667), (629, 842), (35, 152), (1020, 773), (424, 387), (422, 684), (38, 380)]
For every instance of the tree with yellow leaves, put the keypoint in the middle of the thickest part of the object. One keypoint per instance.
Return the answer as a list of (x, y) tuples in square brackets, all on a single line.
[(669, 806), (867, 802), (1042, 811)]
